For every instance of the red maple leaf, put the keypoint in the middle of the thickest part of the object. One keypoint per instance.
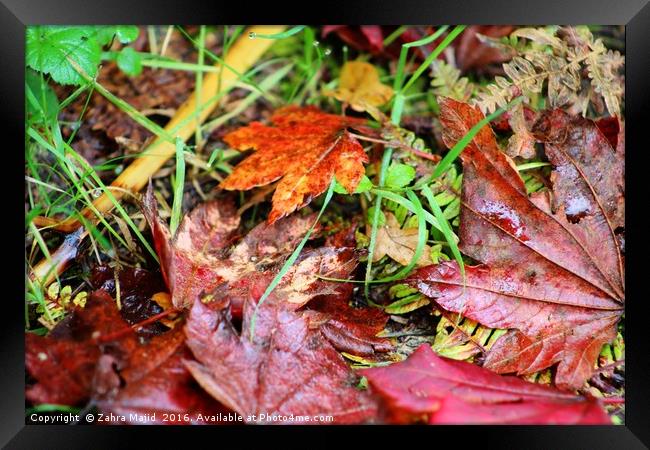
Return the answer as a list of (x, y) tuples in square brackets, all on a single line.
[(285, 369), (304, 149), (437, 390), (554, 278)]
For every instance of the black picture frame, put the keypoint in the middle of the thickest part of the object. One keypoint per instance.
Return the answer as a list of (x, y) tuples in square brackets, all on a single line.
[(15, 15)]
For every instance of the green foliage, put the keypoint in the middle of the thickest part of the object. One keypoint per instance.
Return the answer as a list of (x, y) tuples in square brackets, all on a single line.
[(129, 61), (405, 299), (56, 50), (42, 105), (399, 175), (381, 218), (49, 47), (124, 33)]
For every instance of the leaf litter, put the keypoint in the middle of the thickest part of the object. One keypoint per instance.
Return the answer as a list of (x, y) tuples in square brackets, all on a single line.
[(535, 317)]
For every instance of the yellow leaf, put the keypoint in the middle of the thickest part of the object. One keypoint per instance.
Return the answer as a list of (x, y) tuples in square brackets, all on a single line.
[(164, 300), (359, 86)]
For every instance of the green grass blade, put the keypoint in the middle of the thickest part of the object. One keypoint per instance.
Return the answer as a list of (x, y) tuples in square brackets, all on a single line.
[(532, 165), (434, 54), (445, 228), (401, 64), (408, 205), (179, 183), (385, 162)]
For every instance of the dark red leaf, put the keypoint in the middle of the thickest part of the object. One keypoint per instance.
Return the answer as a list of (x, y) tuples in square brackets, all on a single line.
[(473, 55), (368, 38), (556, 284), (63, 370), (349, 329), (470, 54), (438, 390), (285, 369), (191, 259), (63, 363), (158, 388)]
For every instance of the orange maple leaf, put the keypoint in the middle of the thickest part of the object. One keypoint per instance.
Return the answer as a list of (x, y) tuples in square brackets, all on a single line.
[(306, 148)]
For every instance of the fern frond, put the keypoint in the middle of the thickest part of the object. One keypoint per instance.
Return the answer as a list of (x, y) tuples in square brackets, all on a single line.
[(556, 60), (448, 82)]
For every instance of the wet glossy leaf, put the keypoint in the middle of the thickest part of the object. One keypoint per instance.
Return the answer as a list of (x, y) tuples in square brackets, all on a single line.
[(553, 278), (349, 329), (156, 382), (437, 390), (285, 369), (63, 363)]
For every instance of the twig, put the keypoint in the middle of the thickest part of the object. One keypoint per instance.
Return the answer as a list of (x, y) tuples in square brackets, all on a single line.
[(136, 326), (48, 269), (415, 151)]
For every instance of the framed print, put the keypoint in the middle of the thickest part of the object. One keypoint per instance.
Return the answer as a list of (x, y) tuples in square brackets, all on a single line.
[(373, 217)]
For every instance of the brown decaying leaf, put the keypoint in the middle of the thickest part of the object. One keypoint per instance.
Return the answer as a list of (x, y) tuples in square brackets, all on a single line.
[(285, 369), (202, 264), (190, 260), (198, 259), (63, 363), (437, 390), (554, 278), (399, 243), (359, 86), (305, 148)]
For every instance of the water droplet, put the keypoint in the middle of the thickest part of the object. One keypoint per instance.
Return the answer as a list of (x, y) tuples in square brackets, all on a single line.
[(316, 43), (328, 51), (252, 35), (97, 193)]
